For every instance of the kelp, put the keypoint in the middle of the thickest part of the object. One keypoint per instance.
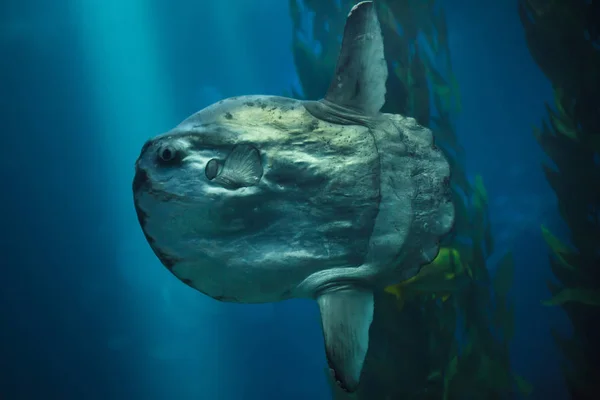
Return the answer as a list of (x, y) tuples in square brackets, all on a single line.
[(444, 334), (564, 39)]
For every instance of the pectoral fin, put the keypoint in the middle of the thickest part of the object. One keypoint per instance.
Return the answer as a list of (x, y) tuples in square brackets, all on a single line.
[(346, 316), (242, 168)]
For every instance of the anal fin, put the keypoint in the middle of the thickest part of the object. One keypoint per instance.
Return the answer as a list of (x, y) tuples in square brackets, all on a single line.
[(346, 316)]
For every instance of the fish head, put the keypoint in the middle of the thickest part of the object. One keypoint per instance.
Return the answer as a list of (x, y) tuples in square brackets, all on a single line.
[(180, 167), (185, 171), (198, 188)]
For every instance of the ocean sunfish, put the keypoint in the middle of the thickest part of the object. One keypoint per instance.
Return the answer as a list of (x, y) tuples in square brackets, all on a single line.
[(263, 198)]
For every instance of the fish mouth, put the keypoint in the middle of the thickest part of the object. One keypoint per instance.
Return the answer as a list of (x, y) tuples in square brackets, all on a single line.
[(143, 183), (140, 180)]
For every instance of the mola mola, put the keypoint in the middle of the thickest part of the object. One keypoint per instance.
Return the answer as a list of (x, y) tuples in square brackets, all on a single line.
[(263, 198)]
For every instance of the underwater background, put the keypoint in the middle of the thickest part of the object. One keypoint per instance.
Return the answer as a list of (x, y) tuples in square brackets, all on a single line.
[(88, 312)]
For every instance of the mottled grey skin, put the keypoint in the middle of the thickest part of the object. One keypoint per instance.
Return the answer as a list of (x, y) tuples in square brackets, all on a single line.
[(330, 207), (313, 209), (331, 199)]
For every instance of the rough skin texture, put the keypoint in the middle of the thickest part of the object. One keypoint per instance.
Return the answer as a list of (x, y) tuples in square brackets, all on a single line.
[(313, 208), (335, 203)]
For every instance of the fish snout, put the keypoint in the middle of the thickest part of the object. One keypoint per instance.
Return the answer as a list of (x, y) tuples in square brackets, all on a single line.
[(141, 179)]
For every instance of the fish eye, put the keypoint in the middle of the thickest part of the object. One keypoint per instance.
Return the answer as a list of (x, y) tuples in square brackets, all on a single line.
[(212, 169), (167, 153)]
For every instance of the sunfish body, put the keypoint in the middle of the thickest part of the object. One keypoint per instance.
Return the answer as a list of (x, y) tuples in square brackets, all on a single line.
[(261, 198)]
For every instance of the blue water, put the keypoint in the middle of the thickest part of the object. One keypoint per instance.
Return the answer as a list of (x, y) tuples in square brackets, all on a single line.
[(86, 310)]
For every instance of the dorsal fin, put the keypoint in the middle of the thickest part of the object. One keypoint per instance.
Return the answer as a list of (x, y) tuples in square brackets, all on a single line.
[(361, 71)]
